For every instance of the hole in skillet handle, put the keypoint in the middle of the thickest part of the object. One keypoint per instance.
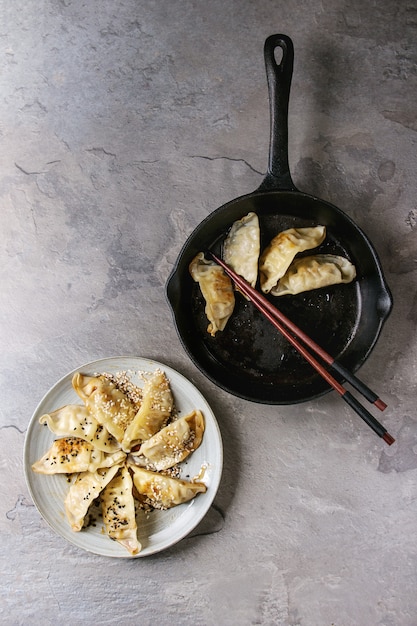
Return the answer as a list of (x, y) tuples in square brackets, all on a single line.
[(278, 55)]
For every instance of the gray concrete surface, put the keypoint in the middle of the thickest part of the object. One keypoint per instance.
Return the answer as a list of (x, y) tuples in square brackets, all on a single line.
[(122, 125)]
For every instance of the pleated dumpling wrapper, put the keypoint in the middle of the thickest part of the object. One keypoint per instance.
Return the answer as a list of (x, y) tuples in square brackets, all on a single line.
[(155, 409), (241, 247), (313, 272), (118, 508), (75, 420), (71, 454), (172, 444), (86, 488), (217, 290), (279, 254), (164, 492), (108, 404)]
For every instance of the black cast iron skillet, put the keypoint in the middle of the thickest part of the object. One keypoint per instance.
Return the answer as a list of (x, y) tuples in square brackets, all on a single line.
[(249, 358)]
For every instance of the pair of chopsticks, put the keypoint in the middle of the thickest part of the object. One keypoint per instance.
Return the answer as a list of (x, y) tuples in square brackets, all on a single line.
[(286, 328)]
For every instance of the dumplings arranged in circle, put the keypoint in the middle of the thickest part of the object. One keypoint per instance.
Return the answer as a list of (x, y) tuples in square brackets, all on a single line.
[(121, 447)]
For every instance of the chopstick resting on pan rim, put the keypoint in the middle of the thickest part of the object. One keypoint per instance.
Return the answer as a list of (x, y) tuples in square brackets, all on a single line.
[(282, 323)]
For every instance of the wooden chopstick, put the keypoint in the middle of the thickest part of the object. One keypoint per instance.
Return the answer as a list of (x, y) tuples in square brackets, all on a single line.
[(282, 323)]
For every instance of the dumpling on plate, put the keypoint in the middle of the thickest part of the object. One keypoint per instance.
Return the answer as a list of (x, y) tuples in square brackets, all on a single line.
[(109, 405), (279, 254), (172, 444), (156, 408), (313, 272), (71, 454), (217, 290), (83, 492), (75, 420), (241, 247), (118, 508), (164, 492)]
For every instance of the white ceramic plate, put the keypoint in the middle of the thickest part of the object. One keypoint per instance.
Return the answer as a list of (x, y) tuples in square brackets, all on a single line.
[(158, 530)]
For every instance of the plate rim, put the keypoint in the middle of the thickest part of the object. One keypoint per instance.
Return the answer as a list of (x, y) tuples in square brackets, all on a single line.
[(141, 364)]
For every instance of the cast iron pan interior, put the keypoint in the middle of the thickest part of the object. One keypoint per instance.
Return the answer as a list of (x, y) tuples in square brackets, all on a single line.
[(249, 358)]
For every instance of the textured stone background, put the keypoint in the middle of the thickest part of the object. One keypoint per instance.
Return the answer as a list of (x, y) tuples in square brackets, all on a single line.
[(122, 125)]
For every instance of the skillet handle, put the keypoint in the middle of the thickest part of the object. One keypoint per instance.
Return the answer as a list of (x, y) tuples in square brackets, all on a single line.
[(279, 77)]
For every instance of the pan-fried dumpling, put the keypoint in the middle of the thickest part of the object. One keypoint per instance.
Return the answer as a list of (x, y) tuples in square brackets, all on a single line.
[(164, 492), (156, 407), (75, 420), (118, 508), (277, 257), (83, 492), (313, 272), (71, 454), (217, 290), (109, 405), (241, 247), (172, 444)]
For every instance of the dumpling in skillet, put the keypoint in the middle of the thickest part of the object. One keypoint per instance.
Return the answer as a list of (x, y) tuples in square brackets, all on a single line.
[(164, 492), (109, 405), (83, 492), (313, 272), (71, 454), (118, 508), (75, 420), (242, 247), (217, 290), (156, 407), (277, 257), (172, 444)]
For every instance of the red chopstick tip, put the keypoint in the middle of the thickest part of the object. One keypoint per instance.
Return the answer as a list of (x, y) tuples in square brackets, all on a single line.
[(388, 439), (380, 404)]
